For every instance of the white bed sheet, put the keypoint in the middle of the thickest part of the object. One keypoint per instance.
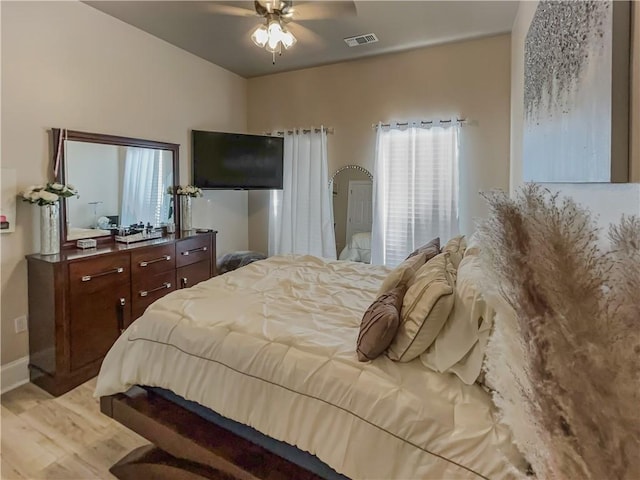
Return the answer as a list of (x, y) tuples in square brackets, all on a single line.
[(358, 249), (272, 345), (78, 233)]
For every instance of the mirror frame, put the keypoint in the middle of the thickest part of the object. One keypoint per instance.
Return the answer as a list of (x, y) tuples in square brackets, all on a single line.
[(87, 137), (351, 166)]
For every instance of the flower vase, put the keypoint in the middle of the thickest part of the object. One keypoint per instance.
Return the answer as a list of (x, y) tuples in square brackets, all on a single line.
[(186, 212), (50, 229)]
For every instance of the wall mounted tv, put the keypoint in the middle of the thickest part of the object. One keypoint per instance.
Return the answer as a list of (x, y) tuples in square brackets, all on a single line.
[(236, 161)]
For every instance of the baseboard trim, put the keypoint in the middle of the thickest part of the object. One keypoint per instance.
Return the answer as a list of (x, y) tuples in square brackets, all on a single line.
[(14, 374)]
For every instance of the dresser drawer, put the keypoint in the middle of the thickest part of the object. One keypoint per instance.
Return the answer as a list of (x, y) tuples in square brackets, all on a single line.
[(150, 261), (193, 250), (99, 306), (148, 289), (96, 320), (189, 275), (99, 273)]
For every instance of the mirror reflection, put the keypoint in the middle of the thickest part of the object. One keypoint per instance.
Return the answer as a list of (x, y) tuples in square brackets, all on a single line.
[(352, 194), (118, 186)]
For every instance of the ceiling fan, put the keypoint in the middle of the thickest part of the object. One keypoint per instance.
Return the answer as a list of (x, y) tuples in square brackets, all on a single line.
[(280, 15)]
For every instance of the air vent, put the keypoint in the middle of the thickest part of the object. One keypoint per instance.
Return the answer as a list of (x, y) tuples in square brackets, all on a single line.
[(361, 39)]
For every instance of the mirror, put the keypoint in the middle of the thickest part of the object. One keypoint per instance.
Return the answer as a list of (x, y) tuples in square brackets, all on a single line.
[(120, 182), (352, 193)]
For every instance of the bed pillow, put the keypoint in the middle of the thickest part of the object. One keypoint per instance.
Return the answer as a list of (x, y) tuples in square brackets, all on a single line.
[(431, 249), (461, 344), (380, 324), (403, 273), (425, 309), (455, 248), (473, 245)]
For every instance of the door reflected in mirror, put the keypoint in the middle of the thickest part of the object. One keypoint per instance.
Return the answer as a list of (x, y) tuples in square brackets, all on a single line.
[(351, 187), (118, 185)]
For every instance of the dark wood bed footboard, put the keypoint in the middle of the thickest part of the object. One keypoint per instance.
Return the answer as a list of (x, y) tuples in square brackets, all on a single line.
[(186, 446)]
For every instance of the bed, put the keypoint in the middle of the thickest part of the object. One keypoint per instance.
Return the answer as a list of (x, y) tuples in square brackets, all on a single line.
[(76, 233), (271, 346), (358, 249)]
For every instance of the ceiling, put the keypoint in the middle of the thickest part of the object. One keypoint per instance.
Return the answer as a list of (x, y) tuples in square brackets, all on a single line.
[(200, 28)]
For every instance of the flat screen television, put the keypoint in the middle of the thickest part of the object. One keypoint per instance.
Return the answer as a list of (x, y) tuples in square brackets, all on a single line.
[(236, 161)]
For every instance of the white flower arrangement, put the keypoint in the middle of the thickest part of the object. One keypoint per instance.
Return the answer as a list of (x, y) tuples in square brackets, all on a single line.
[(188, 190), (48, 194)]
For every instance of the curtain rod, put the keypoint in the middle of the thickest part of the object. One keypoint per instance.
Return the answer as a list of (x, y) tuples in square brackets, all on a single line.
[(329, 131), (421, 123)]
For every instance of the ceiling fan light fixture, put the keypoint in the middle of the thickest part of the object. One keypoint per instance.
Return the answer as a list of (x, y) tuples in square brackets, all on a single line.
[(260, 36), (274, 29), (273, 35), (288, 39), (273, 46)]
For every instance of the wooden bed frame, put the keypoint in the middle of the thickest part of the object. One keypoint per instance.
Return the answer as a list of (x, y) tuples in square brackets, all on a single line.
[(188, 447)]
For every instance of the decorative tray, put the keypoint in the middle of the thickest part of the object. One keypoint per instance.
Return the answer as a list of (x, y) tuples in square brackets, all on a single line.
[(138, 237)]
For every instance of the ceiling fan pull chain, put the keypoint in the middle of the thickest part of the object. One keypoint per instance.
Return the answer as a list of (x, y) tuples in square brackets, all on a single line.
[(273, 57)]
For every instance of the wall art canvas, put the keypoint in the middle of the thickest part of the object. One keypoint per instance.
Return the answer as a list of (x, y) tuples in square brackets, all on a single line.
[(8, 195), (576, 92)]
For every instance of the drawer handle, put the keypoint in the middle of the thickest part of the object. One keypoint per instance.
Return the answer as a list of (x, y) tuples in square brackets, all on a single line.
[(87, 278), (185, 281), (121, 305), (187, 252), (149, 262), (144, 293)]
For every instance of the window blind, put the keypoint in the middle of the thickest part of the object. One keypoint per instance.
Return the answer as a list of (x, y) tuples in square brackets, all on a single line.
[(415, 191)]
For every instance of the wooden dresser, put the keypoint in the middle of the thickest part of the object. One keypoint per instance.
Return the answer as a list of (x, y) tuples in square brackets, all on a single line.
[(81, 300)]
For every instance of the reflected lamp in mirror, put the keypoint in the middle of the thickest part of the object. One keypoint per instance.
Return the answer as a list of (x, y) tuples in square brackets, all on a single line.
[(352, 194), (124, 182)]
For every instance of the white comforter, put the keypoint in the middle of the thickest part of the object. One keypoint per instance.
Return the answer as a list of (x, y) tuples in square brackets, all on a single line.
[(272, 345)]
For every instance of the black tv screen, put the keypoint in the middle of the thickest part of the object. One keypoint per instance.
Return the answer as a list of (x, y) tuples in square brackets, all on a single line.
[(236, 161)]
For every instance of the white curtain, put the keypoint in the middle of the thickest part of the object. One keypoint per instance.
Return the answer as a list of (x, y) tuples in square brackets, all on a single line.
[(144, 187), (415, 190), (300, 215)]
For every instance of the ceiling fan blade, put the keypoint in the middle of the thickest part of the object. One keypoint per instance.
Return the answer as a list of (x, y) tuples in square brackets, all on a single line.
[(262, 9), (222, 9), (305, 36), (322, 10)]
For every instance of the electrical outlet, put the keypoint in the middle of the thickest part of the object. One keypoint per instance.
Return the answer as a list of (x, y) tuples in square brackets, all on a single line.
[(21, 324)]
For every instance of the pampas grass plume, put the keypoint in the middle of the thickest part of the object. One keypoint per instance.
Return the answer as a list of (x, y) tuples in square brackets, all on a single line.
[(566, 362)]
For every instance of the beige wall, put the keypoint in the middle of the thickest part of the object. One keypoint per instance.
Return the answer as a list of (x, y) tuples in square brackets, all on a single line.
[(518, 34), (469, 79), (65, 64)]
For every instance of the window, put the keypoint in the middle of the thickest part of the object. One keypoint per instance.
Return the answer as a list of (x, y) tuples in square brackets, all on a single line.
[(415, 190), (147, 174)]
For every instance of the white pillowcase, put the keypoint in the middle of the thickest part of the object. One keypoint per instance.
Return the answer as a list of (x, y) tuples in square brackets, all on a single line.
[(460, 345)]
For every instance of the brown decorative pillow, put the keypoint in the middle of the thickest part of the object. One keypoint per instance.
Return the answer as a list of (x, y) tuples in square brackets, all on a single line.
[(431, 249), (379, 324)]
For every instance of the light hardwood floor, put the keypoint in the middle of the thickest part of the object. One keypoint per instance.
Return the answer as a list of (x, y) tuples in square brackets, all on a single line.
[(44, 437)]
